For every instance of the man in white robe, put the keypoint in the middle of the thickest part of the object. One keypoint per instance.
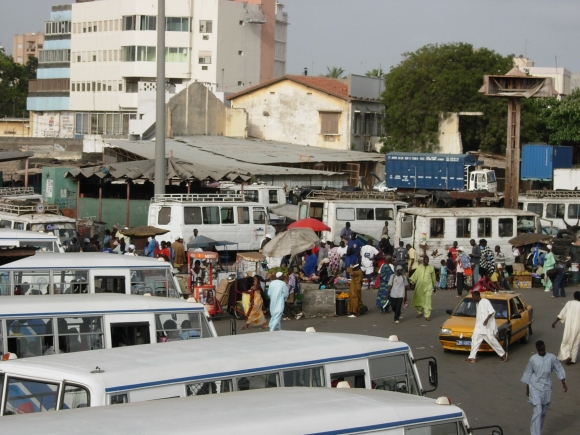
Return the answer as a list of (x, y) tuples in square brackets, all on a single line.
[(485, 329), (570, 317), (278, 293), (538, 380)]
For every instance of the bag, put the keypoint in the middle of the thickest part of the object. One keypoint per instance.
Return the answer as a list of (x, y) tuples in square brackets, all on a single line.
[(467, 272)]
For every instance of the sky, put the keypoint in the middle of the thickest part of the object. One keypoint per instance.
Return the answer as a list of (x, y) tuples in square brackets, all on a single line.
[(360, 35)]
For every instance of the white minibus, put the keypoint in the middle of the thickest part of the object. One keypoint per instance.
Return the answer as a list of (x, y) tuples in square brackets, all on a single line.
[(367, 212), (30, 239), (74, 323), (221, 217), (561, 207), (199, 367), (91, 272), (432, 231), (283, 411)]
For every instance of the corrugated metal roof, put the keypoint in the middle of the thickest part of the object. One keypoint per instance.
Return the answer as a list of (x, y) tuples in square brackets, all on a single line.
[(6, 156), (215, 156)]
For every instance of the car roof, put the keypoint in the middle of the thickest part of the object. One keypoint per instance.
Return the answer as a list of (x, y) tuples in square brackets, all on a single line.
[(501, 295)]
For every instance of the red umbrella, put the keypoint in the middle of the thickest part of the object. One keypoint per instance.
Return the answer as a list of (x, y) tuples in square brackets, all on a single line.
[(313, 224)]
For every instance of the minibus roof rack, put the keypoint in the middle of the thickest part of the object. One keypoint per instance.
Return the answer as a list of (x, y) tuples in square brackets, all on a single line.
[(16, 191), (194, 197), (28, 209), (553, 193), (345, 194)]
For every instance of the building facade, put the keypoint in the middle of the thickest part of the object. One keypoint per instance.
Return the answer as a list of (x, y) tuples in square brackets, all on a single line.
[(104, 83), (26, 46)]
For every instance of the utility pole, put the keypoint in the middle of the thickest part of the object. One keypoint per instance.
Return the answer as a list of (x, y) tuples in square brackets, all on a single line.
[(160, 107)]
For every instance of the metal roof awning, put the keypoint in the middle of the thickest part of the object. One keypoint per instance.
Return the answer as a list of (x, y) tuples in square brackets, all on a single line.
[(6, 156)]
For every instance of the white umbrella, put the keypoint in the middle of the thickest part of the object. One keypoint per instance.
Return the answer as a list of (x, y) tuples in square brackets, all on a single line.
[(293, 241)]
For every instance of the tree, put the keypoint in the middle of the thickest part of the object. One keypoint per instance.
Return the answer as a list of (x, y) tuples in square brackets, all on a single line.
[(559, 120), (376, 73), (437, 80), (334, 73), (14, 85)]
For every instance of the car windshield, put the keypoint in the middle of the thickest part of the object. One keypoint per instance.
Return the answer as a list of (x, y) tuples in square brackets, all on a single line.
[(467, 308)]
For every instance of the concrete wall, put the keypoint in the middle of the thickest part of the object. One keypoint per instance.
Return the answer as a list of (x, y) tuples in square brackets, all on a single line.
[(290, 112), (114, 211), (15, 127), (197, 111), (318, 302), (449, 136)]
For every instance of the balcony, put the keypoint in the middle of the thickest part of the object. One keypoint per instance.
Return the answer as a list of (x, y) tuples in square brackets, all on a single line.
[(49, 85)]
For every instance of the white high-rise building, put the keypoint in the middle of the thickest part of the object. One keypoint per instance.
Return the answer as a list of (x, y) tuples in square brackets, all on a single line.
[(109, 60)]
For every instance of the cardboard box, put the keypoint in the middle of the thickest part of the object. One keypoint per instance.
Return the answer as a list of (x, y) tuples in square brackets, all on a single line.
[(518, 267), (522, 281)]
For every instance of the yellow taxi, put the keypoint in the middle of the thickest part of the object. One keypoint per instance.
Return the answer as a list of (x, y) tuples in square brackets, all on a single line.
[(513, 317)]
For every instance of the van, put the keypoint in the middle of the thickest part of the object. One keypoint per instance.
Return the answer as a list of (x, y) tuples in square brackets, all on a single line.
[(221, 217), (561, 207), (270, 196), (366, 211), (30, 239)]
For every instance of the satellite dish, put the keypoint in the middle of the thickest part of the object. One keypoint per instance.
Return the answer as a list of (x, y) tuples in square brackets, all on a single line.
[(58, 147)]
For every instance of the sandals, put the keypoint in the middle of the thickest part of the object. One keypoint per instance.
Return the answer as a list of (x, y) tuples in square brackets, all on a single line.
[(504, 358), (469, 360)]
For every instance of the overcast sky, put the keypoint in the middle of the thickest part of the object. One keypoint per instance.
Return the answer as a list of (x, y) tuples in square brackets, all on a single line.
[(359, 35)]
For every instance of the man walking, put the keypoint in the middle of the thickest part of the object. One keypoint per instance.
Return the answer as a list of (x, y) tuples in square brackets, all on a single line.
[(401, 255), (549, 264), (398, 286), (278, 293), (367, 255), (485, 329), (475, 257), (538, 380), (425, 281), (345, 233), (487, 260), (180, 258), (354, 294), (412, 262), (570, 317)]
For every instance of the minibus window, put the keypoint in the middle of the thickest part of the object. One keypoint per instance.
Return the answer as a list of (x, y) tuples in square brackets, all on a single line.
[(270, 380), (273, 196), (365, 214), (19, 225), (463, 228), (129, 334), (227, 214), (70, 281), (259, 216), (316, 210), (178, 326), (201, 389), (384, 214), (31, 282), (437, 228), (77, 334), (537, 208), (155, 282), (75, 397), (24, 396), (5, 284), (309, 377), (164, 216), (302, 211), (573, 211), (211, 215), (484, 227), (555, 210), (344, 214), (110, 284), (406, 227), (192, 216), (1, 351), (393, 373), (251, 196), (44, 246), (243, 215), (506, 227), (434, 429), (5, 224), (117, 399), (30, 337), (356, 379)]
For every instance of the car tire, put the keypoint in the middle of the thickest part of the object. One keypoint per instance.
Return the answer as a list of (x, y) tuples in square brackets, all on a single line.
[(506, 343), (526, 338)]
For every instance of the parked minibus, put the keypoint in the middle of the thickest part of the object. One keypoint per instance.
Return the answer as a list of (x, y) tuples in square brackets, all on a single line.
[(561, 207), (91, 272), (366, 211), (221, 217), (30, 239), (269, 196), (73, 323), (199, 367), (432, 231), (284, 411)]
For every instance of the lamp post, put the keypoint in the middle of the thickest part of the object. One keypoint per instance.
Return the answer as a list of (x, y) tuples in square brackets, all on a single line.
[(160, 108)]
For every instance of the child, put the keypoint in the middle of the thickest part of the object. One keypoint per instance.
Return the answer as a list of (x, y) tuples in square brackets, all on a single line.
[(443, 275), (450, 271)]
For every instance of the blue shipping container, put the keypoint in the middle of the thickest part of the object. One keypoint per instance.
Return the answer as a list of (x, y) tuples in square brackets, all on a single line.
[(539, 161), (427, 171)]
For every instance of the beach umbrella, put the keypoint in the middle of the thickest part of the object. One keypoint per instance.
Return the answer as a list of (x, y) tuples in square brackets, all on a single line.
[(313, 224), (528, 239), (143, 231), (293, 241)]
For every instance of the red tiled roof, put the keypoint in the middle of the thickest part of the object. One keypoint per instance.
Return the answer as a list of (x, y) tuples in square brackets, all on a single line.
[(335, 87)]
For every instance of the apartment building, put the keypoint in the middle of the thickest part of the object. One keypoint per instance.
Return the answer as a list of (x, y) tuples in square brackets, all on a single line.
[(26, 46), (110, 53)]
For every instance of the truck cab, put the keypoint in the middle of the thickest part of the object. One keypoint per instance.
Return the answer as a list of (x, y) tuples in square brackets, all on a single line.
[(482, 179)]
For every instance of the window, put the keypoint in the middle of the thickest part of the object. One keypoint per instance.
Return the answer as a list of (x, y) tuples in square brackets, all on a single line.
[(76, 334), (164, 216), (506, 227), (555, 210), (309, 377), (227, 215), (204, 57), (24, 396), (573, 211), (357, 124), (384, 214), (329, 122), (192, 216), (177, 24), (131, 86), (484, 227), (257, 382), (70, 281), (537, 208), (32, 283), (75, 396), (251, 195), (451, 428), (369, 123), (128, 54), (240, 53), (345, 214), (30, 337), (180, 326), (365, 214), (129, 334), (130, 22), (259, 216), (110, 284), (146, 54), (272, 196), (393, 373), (5, 224), (148, 22), (211, 215), (119, 398), (205, 26), (243, 215), (154, 282), (356, 379), (177, 54), (380, 125), (205, 388), (437, 228), (463, 228)]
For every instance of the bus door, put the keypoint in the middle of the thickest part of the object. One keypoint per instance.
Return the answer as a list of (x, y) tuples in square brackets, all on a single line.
[(129, 330), (109, 281)]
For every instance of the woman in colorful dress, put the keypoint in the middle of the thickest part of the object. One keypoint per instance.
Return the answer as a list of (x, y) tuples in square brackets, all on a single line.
[(255, 314), (443, 275), (385, 273), (451, 270), (334, 258)]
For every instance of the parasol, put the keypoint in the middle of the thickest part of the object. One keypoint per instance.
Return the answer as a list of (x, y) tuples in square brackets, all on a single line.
[(528, 239), (313, 224), (293, 241), (143, 231)]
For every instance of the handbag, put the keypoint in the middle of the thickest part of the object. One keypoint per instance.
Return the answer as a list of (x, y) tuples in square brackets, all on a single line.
[(467, 271)]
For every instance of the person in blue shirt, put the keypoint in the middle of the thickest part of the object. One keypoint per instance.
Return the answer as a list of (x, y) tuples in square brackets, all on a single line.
[(310, 266), (352, 252), (152, 247)]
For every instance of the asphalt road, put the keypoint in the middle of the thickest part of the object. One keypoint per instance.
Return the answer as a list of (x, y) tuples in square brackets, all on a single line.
[(489, 392)]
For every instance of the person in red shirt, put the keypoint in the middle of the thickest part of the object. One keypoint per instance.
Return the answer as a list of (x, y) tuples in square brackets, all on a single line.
[(453, 251), (164, 251), (484, 284)]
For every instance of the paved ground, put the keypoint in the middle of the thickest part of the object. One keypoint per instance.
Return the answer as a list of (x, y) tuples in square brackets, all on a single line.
[(489, 392)]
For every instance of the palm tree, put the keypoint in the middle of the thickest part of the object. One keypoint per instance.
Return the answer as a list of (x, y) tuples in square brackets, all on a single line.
[(376, 73), (334, 73)]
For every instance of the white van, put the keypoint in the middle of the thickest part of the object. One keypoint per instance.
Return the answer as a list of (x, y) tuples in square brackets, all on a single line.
[(366, 212), (433, 230), (561, 207), (283, 411), (221, 217), (30, 239), (91, 272), (96, 321), (270, 196)]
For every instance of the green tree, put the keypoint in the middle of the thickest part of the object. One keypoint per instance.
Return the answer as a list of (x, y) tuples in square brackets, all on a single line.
[(437, 80), (14, 85), (559, 120), (376, 73), (334, 73)]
